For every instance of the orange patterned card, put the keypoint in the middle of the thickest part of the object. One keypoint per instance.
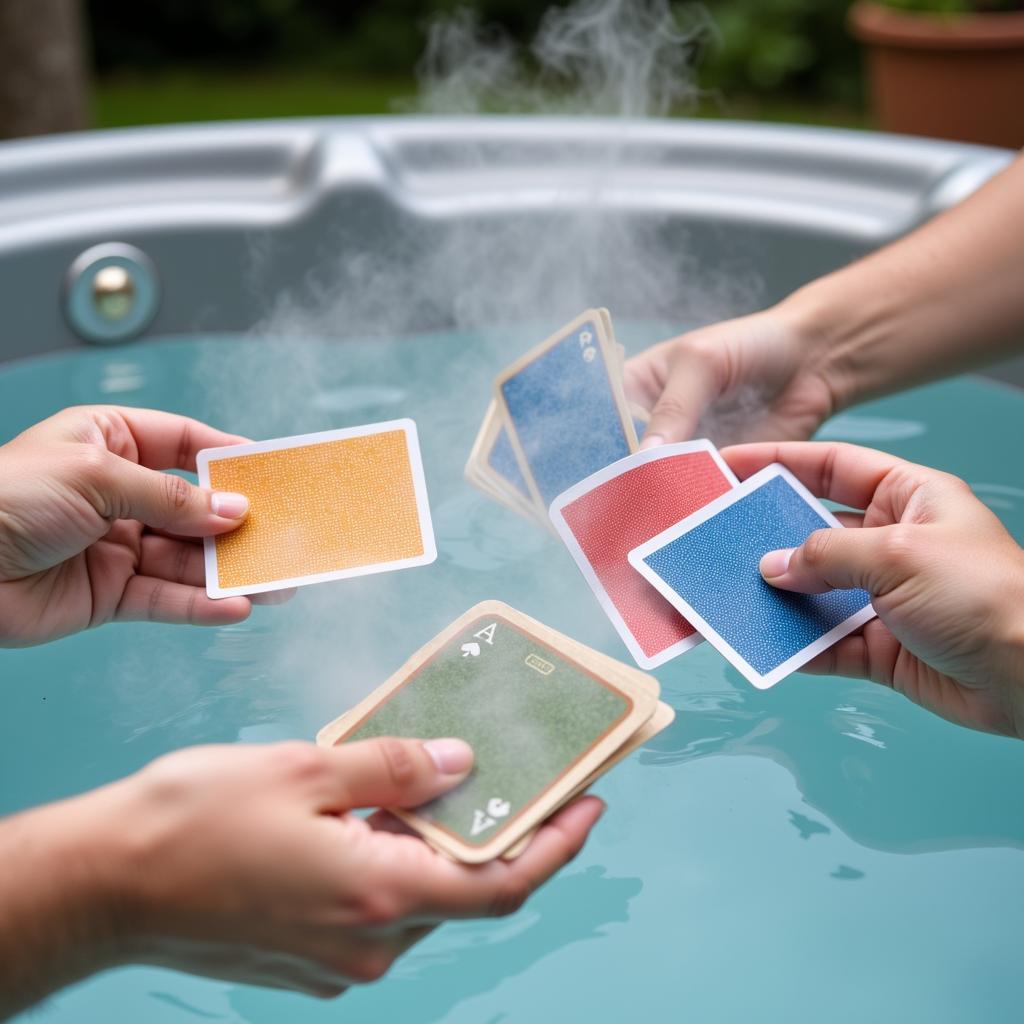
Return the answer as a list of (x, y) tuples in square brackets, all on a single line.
[(322, 507)]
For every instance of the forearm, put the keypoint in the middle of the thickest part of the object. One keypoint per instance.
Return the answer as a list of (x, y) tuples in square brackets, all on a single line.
[(947, 298), (55, 912)]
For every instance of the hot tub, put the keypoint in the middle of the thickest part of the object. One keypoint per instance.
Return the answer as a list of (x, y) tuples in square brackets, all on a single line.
[(821, 851)]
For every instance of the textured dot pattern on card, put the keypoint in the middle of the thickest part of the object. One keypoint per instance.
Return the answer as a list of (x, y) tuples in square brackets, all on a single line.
[(629, 509), (529, 712), (714, 568), (502, 460), (566, 412), (319, 508)]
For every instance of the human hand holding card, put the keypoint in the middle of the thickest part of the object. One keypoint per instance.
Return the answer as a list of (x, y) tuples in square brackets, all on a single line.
[(542, 712), (323, 506), (707, 567)]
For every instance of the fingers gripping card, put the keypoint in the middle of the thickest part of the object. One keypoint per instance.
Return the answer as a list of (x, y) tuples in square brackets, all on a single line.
[(707, 568), (540, 711), (565, 408), (322, 507), (602, 518)]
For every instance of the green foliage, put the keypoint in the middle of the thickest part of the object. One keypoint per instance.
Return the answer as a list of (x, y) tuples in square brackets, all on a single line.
[(785, 47), (796, 46), (955, 6)]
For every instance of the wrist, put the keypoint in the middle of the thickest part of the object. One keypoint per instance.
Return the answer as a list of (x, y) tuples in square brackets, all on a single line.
[(90, 833), (840, 331), (59, 909)]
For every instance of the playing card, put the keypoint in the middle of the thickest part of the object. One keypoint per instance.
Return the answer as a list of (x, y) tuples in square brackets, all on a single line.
[(707, 567), (664, 715), (641, 417), (323, 506), (565, 409), (602, 518), (492, 467), (541, 711)]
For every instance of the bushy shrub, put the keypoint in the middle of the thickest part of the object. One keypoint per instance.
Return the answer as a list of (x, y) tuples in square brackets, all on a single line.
[(757, 46)]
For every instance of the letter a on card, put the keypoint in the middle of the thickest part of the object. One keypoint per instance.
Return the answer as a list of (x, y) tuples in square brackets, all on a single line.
[(486, 634)]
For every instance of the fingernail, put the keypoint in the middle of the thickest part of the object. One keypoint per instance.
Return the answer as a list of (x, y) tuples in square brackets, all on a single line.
[(228, 505), (775, 563), (452, 757), (651, 441)]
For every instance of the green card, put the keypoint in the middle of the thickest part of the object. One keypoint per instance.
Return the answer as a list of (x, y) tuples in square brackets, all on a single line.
[(539, 719)]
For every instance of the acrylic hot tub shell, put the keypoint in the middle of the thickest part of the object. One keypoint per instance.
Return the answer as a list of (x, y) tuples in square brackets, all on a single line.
[(233, 216), (822, 851)]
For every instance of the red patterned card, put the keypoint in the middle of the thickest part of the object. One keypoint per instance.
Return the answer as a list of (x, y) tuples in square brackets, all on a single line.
[(602, 518)]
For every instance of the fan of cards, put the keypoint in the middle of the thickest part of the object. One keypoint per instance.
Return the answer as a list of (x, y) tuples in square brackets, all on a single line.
[(558, 414), (668, 539), (545, 715)]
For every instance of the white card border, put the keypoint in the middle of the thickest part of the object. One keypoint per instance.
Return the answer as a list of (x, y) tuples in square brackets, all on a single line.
[(791, 664), (602, 476), (407, 426)]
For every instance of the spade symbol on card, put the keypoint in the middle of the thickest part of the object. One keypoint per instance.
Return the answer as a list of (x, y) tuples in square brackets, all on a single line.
[(471, 650), (498, 808)]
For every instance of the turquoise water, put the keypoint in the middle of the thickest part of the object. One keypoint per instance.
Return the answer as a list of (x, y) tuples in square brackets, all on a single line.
[(823, 851)]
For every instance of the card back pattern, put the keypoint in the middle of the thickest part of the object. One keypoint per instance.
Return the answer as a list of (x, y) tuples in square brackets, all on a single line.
[(319, 508), (627, 510), (529, 713), (565, 412), (714, 568)]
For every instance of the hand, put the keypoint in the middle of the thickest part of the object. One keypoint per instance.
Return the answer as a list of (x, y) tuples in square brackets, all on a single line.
[(244, 863), (80, 499), (941, 300), (945, 577), (758, 377)]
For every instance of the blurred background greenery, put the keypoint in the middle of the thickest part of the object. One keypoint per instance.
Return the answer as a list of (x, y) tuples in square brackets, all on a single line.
[(164, 60)]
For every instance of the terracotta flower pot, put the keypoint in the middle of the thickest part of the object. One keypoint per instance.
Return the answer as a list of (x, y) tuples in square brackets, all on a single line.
[(950, 76)]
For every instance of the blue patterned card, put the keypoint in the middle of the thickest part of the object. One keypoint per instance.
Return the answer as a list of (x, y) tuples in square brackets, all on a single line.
[(566, 412), (502, 460), (707, 567)]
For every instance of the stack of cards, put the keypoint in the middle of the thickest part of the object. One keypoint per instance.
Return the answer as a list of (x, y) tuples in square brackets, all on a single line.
[(559, 413), (545, 715), (322, 507), (670, 543), (494, 469)]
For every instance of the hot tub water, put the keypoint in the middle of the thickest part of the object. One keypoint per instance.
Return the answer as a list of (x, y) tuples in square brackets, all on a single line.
[(821, 851)]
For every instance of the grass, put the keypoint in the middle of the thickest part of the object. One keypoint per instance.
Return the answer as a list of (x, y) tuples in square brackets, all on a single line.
[(216, 96), (166, 99)]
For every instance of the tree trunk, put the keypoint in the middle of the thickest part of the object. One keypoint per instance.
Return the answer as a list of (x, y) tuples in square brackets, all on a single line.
[(43, 77)]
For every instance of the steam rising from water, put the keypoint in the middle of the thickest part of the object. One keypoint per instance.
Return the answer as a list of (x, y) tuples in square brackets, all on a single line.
[(533, 230), (575, 240), (626, 58)]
